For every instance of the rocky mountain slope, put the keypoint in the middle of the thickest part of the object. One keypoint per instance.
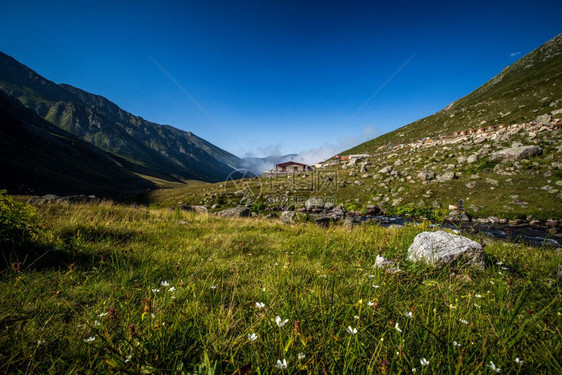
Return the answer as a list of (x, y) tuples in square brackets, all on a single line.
[(522, 91), (151, 149), (499, 150), (37, 157)]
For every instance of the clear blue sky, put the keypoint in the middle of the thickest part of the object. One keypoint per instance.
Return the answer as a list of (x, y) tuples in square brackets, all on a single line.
[(278, 75)]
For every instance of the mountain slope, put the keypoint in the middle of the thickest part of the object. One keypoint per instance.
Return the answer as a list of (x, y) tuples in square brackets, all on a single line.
[(530, 86), (37, 157), (152, 149)]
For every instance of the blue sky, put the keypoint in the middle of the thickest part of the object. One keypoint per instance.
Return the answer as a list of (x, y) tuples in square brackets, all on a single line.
[(279, 76)]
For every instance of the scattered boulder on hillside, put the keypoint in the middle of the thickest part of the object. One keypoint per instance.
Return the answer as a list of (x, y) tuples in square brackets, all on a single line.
[(238, 211), (543, 119), (385, 170), (455, 216), (472, 159), (516, 153), (289, 217), (314, 203), (447, 176), (426, 175), (437, 248)]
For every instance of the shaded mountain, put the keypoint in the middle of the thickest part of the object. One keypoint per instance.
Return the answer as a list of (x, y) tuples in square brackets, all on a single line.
[(530, 86), (37, 157), (156, 150)]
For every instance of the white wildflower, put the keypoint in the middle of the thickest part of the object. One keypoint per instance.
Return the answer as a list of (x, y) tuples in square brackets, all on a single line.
[(375, 286), (155, 290), (456, 344), (463, 321), (409, 314), (424, 362), (494, 368), (172, 289), (356, 317), (96, 323), (102, 314), (281, 365), (252, 336), (213, 286), (351, 331), (41, 342), (260, 305), (280, 322), (478, 295), (301, 356), (517, 360), (370, 303), (397, 328), (164, 283), (90, 339)]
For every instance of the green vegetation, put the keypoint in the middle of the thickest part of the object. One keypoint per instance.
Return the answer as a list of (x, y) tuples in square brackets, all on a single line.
[(136, 290)]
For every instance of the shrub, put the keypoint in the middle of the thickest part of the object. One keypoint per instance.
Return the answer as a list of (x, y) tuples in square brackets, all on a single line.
[(17, 220)]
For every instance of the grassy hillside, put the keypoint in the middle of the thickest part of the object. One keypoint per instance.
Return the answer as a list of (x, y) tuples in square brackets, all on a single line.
[(528, 88), (36, 157), (151, 149), (108, 288)]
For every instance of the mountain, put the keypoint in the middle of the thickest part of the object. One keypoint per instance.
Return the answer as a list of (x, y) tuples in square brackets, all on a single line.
[(37, 157), (151, 149), (530, 86), (508, 166)]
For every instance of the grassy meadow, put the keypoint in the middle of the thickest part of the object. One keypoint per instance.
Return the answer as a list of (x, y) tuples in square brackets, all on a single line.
[(113, 288)]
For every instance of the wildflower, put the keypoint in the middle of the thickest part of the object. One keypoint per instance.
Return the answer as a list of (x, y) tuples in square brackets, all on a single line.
[(102, 315), (375, 286), (301, 356), (463, 321), (281, 365), (276, 264), (351, 331), (414, 369), (41, 342), (128, 358), (213, 286), (456, 344), (409, 314), (155, 290), (517, 360), (172, 289), (90, 339), (478, 295), (452, 307), (280, 322), (263, 289), (494, 368), (164, 283), (152, 316), (424, 362), (356, 317), (260, 305), (371, 276), (370, 303), (252, 337), (477, 306), (96, 323), (397, 328)]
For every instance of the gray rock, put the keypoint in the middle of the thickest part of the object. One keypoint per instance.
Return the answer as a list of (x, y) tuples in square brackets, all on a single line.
[(472, 159), (516, 153), (447, 176), (289, 217), (436, 248), (314, 203), (238, 211), (385, 170), (349, 222), (543, 119), (426, 175), (492, 182)]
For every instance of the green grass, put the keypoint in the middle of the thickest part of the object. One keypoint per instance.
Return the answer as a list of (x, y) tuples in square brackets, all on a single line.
[(89, 260)]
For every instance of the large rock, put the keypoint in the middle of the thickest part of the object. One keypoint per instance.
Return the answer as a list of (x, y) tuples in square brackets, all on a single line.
[(289, 217), (516, 153), (239, 211), (314, 203), (426, 175), (543, 119), (447, 176), (385, 170), (440, 247)]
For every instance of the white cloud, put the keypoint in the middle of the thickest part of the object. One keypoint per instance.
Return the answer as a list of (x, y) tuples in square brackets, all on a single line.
[(513, 54)]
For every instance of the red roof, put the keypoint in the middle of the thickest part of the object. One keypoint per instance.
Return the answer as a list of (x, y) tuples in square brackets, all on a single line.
[(289, 163)]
